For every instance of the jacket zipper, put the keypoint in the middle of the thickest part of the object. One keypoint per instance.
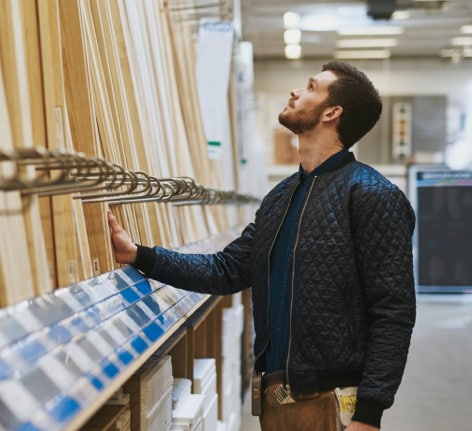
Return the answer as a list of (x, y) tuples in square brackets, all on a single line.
[(268, 269), (287, 386)]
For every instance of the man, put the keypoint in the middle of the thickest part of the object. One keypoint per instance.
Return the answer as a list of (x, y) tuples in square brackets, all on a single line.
[(329, 259)]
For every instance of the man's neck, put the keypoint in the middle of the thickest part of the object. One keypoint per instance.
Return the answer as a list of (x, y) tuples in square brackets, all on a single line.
[(313, 152)]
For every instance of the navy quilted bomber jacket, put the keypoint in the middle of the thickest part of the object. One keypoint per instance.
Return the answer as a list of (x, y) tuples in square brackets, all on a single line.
[(353, 296)]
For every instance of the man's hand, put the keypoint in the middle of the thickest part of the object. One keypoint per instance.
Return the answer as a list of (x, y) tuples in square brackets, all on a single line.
[(359, 426), (125, 249)]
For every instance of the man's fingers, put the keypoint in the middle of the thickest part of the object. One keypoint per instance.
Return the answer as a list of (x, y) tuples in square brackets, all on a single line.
[(112, 222)]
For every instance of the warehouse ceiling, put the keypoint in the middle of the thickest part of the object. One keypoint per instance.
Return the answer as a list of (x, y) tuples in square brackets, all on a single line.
[(425, 29)]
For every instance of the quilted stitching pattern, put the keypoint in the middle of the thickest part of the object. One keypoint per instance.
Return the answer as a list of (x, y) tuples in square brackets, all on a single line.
[(353, 264)]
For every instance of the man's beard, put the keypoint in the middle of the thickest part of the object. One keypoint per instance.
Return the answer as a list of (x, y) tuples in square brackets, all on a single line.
[(300, 121)]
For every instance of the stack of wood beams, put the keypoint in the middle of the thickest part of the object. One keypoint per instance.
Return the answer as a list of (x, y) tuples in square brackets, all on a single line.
[(113, 79)]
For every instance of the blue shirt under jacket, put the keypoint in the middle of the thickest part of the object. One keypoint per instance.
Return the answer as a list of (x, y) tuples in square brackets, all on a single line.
[(281, 269)]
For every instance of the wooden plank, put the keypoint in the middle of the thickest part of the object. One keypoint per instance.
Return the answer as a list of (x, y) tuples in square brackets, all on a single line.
[(71, 249), (193, 224), (149, 214), (104, 99), (152, 155), (106, 16), (206, 172), (160, 226), (37, 216), (107, 107), (82, 124), (13, 52), (14, 285)]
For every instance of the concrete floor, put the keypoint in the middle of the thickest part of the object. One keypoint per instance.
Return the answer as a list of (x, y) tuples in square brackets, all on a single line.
[(436, 391)]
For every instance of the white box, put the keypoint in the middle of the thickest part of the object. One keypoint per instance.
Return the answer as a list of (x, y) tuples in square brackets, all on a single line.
[(182, 388), (204, 371), (188, 411), (210, 415)]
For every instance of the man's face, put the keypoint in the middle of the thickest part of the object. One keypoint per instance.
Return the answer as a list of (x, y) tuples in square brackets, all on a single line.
[(305, 106)]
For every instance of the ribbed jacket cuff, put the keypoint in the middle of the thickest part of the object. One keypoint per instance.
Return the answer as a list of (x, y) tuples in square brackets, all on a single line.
[(145, 259), (368, 413)]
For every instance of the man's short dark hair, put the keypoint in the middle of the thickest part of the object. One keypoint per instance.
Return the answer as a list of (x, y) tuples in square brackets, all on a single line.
[(360, 101)]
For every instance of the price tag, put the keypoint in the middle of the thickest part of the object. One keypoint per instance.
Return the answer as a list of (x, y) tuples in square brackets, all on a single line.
[(81, 358)]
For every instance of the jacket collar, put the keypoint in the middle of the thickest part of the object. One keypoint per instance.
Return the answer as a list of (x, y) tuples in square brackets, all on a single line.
[(334, 162)]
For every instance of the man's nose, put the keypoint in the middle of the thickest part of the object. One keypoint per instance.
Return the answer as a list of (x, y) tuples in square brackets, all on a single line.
[(295, 92)]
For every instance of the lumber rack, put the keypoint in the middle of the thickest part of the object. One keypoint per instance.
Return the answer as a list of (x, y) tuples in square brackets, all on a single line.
[(41, 172)]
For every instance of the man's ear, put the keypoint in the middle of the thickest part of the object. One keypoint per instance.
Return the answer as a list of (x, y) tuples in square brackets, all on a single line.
[(332, 112)]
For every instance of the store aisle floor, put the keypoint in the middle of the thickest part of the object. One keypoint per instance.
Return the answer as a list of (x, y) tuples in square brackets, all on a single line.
[(249, 422), (436, 389)]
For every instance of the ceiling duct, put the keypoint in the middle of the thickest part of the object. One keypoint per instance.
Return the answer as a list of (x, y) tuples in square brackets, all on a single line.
[(381, 9)]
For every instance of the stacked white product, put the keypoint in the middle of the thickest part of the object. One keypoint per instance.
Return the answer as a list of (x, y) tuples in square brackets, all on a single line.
[(151, 402), (231, 376), (204, 383), (187, 408), (159, 399)]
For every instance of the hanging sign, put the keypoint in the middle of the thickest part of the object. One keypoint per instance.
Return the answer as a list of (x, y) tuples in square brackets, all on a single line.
[(214, 53)]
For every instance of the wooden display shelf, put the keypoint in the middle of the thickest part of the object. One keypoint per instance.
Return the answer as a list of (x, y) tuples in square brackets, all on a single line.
[(67, 353)]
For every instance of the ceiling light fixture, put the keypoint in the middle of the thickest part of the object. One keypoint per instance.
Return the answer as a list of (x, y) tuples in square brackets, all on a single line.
[(367, 43), (291, 19), (292, 36), (362, 54), (401, 14), (371, 31), (293, 52)]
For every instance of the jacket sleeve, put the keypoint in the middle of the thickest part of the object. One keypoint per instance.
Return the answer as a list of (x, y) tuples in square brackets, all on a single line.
[(224, 272), (383, 223)]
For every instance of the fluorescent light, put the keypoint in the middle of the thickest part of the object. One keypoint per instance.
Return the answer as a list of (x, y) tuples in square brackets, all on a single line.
[(459, 41), (291, 19), (370, 31), (466, 29), (320, 22), (362, 54), (293, 52), (367, 43), (292, 36), (401, 14)]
